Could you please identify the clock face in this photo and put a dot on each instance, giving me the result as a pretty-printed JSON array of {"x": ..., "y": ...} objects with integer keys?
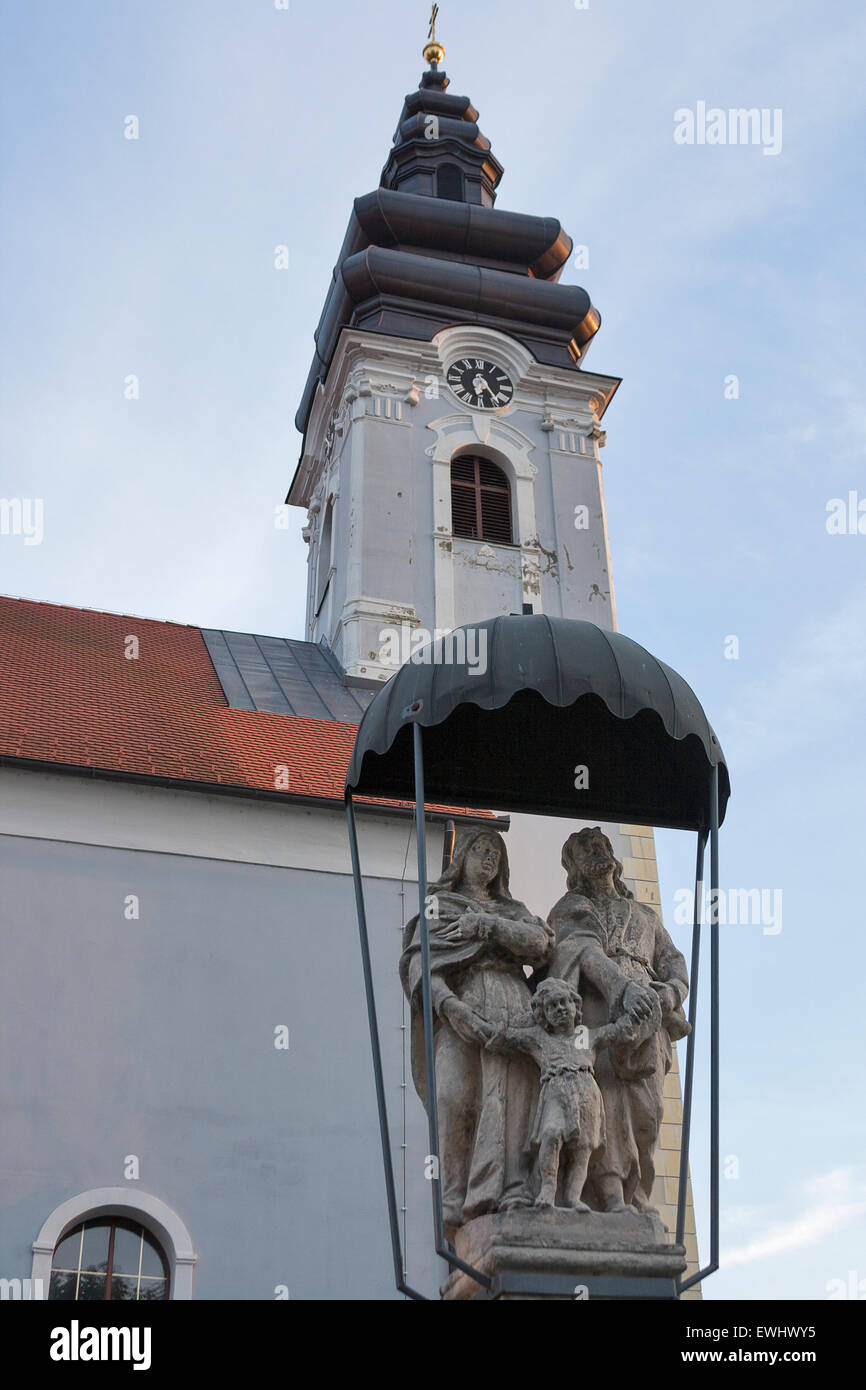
[{"x": 479, "y": 383}]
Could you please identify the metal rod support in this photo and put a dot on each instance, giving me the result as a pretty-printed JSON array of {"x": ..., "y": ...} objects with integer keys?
[
  {"x": 714, "y": 1022},
  {"x": 393, "y": 1219},
  {"x": 713, "y": 1264},
  {"x": 682, "y": 1186}
]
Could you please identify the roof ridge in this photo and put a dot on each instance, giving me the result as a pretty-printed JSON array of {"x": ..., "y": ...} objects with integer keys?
[{"x": 99, "y": 612}]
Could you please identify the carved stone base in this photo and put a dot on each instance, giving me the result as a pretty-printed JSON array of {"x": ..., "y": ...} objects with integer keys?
[{"x": 566, "y": 1255}]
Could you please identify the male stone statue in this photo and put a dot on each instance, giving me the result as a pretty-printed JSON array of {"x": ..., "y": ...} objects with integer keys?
[{"x": 617, "y": 953}]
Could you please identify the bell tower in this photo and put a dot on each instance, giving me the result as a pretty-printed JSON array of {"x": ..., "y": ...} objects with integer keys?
[{"x": 450, "y": 465}]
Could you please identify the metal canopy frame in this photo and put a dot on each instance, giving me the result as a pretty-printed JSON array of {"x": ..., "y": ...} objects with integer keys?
[{"x": 442, "y": 1247}]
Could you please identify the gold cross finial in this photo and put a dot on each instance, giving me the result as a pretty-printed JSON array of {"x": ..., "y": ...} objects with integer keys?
[{"x": 433, "y": 51}]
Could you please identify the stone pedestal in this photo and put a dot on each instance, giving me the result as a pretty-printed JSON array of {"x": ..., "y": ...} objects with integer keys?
[{"x": 565, "y": 1255}]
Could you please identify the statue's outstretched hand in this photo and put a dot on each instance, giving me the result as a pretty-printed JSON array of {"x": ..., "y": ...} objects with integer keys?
[{"x": 625, "y": 1027}]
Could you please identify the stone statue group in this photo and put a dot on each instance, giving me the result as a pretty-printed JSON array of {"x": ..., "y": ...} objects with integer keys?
[{"x": 550, "y": 1084}]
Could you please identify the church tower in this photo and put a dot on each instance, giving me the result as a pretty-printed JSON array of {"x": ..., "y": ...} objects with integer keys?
[{"x": 451, "y": 464}]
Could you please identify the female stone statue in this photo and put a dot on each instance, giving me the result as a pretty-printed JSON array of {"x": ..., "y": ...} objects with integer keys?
[
  {"x": 618, "y": 954},
  {"x": 480, "y": 938}
]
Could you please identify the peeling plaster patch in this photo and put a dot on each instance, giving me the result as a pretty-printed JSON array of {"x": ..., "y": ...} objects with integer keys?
[
  {"x": 552, "y": 566},
  {"x": 396, "y": 618},
  {"x": 568, "y": 558},
  {"x": 595, "y": 592},
  {"x": 483, "y": 562}
]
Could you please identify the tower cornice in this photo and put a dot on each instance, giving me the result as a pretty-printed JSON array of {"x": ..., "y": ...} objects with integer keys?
[{"x": 362, "y": 366}]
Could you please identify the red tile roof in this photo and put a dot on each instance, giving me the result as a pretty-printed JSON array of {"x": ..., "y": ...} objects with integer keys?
[{"x": 69, "y": 694}]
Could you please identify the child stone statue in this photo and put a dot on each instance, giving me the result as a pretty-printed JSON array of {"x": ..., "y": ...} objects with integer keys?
[{"x": 569, "y": 1117}]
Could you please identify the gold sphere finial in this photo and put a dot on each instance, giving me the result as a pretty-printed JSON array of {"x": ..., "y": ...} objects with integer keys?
[{"x": 433, "y": 51}]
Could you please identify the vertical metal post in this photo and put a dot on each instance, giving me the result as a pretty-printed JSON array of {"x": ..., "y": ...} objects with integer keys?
[
  {"x": 714, "y": 1020},
  {"x": 391, "y": 1192},
  {"x": 688, "y": 1085},
  {"x": 713, "y": 1264}
]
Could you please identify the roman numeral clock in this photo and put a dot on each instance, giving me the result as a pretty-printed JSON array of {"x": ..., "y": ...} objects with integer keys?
[{"x": 480, "y": 384}]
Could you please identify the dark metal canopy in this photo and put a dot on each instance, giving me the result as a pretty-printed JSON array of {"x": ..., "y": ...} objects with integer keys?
[{"x": 514, "y": 707}]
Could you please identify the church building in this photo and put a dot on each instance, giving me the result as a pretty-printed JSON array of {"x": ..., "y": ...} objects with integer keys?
[{"x": 189, "y": 1111}]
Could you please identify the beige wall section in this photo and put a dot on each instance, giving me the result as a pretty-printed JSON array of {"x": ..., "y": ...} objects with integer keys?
[{"x": 641, "y": 874}]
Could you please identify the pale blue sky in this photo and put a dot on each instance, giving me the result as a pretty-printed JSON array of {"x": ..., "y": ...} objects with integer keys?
[{"x": 258, "y": 127}]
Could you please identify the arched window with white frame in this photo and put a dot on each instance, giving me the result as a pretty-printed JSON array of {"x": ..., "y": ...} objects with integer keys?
[{"x": 110, "y": 1244}]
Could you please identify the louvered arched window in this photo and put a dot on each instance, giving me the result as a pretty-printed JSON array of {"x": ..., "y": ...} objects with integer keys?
[{"x": 480, "y": 500}]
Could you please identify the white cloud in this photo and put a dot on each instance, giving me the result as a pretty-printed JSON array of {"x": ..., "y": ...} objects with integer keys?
[{"x": 838, "y": 1198}]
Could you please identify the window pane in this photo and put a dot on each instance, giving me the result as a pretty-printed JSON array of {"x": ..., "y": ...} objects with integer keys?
[
  {"x": 122, "y": 1289},
  {"x": 151, "y": 1258},
  {"x": 91, "y": 1286},
  {"x": 127, "y": 1245},
  {"x": 66, "y": 1254},
  {"x": 94, "y": 1255},
  {"x": 62, "y": 1286},
  {"x": 152, "y": 1289}
]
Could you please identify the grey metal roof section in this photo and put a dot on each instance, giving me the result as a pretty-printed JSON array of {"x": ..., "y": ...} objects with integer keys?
[{"x": 283, "y": 676}]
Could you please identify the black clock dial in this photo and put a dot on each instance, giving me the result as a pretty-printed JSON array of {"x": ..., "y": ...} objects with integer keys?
[{"x": 479, "y": 383}]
